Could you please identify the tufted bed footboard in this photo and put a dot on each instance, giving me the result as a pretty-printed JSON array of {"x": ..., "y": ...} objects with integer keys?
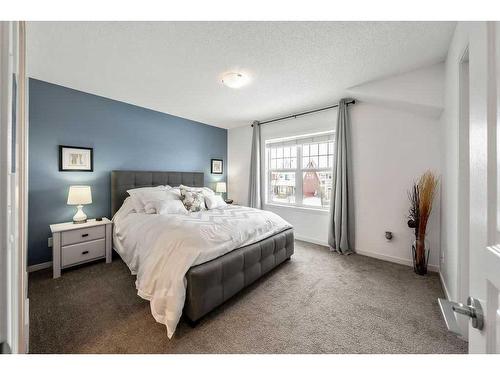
[{"x": 214, "y": 282}]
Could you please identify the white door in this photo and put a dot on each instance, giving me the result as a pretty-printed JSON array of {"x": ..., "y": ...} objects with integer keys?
[
  {"x": 483, "y": 306},
  {"x": 485, "y": 193}
]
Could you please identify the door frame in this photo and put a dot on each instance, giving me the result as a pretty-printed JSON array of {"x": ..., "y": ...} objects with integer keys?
[
  {"x": 5, "y": 113},
  {"x": 463, "y": 216},
  {"x": 22, "y": 171},
  {"x": 13, "y": 185}
]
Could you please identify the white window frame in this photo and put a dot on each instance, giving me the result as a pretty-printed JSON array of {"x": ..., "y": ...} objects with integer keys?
[{"x": 298, "y": 170}]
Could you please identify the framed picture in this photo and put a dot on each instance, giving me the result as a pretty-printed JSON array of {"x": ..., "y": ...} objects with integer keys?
[
  {"x": 76, "y": 159},
  {"x": 217, "y": 166}
]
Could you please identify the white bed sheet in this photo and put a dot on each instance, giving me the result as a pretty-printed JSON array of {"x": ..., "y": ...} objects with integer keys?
[{"x": 160, "y": 249}]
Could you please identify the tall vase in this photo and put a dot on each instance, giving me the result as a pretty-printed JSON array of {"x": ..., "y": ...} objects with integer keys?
[{"x": 420, "y": 254}]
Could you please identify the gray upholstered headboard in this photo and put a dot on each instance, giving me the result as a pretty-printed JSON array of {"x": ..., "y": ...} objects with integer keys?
[{"x": 121, "y": 181}]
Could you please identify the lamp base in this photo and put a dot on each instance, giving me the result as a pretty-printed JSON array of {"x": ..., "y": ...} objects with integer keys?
[{"x": 80, "y": 216}]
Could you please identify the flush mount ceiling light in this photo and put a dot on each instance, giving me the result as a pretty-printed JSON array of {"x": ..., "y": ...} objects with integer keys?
[{"x": 234, "y": 80}]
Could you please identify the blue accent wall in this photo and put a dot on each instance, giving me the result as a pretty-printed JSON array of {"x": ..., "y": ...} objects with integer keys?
[{"x": 123, "y": 136}]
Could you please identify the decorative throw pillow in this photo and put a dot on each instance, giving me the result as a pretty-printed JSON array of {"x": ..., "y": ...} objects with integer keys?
[
  {"x": 204, "y": 190},
  {"x": 192, "y": 200}
]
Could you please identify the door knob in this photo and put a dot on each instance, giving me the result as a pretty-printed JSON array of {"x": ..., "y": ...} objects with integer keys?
[{"x": 473, "y": 310}]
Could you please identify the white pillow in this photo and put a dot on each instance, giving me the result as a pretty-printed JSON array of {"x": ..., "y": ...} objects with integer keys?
[
  {"x": 158, "y": 187},
  {"x": 150, "y": 206},
  {"x": 152, "y": 200},
  {"x": 126, "y": 208},
  {"x": 174, "y": 193},
  {"x": 174, "y": 206},
  {"x": 136, "y": 204},
  {"x": 141, "y": 196},
  {"x": 214, "y": 201}
]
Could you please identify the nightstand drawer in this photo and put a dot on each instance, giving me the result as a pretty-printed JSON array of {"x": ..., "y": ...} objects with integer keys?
[
  {"x": 82, "y": 252},
  {"x": 85, "y": 234}
]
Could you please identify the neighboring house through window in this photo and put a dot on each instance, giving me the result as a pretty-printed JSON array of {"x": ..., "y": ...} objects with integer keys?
[{"x": 299, "y": 170}]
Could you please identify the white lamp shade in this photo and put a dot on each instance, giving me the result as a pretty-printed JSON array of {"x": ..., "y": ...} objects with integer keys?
[
  {"x": 220, "y": 187},
  {"x": 79, "y": 195}
]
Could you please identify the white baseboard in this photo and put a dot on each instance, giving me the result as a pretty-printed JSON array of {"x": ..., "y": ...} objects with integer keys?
[
  {"x": 39, "y": 266},
  {"x": 388, "y": 258},
  {"x": 393, "y": 259},
  {"x": 463, "y": 324},
  {"x": 311, "y": 240},
  {"x": 445, "y": 289},
  {"x": 27, "y": 325}
]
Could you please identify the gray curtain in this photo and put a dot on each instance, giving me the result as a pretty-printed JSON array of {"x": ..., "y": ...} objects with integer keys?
[
  {"x": 341, "y": 227},
  {"x": 254, "y": 198}
]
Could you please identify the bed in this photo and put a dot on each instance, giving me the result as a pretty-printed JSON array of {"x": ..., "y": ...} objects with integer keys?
[{"x": 216, "y": 273}]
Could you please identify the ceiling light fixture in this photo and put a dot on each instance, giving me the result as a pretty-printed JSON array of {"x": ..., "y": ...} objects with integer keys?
[{"x": 234, "y": 80}]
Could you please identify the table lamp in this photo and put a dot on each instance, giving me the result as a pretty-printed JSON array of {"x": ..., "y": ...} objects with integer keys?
[
  {"x": 79, "y": 195},
  {"x": 220, "y": 187}
]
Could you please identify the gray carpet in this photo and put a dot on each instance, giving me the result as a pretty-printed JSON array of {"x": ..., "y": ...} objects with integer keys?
[{"x": 319, "y": 302}]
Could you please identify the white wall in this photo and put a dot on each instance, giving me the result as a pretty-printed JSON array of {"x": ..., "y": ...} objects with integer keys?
[
  {"x": 390, "y": 149},
  {"x": 239, "y": 146},
  {"x": 419, "y": 91}
]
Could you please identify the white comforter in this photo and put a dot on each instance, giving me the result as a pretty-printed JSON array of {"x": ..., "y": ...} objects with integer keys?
[{"x": 160, "y": 249}]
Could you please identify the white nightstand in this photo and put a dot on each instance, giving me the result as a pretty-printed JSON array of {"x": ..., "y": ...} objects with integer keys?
[{"x": 74, "y": 244}]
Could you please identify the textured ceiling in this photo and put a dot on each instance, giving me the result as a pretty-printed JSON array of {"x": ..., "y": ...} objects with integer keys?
[{"x": 175, "y": 67}]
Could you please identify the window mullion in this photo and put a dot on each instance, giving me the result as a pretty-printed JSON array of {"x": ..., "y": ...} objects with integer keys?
[
  {"x": 268, "y": 176},
  {"x": 298, "y": 177}
]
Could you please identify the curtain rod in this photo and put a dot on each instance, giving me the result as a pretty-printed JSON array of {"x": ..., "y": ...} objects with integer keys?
[{"x": 305, "y": 113}]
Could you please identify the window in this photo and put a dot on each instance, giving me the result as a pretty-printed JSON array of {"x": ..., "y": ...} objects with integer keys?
[{"x": 299, "y": 170}]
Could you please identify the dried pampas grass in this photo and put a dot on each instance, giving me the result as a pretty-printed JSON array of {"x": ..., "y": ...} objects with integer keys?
[
  {"x": 426, "y": 191},
  {"x": 421, "y": 198}
]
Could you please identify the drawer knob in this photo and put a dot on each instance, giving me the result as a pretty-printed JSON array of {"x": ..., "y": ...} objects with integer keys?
[
  {"x": 85, "y": 235},
  {"x": 85, "y": 252}
]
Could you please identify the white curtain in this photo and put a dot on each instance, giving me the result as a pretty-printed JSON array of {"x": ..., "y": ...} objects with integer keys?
[
  {"x": 254, "y": 198},
  {"x": 341, "y": 227}
]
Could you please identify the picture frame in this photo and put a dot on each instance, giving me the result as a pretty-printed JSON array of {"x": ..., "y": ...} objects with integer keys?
[
  {"x": 217, "y": 166},
  {"x": 76, "y": 159}
]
